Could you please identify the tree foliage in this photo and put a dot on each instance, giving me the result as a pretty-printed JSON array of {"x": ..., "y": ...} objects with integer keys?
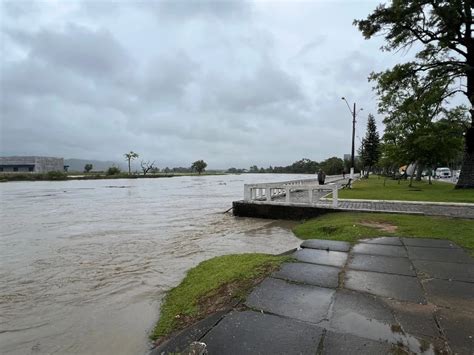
[
  {"x": 441, "y": 32},
  {"x": 199, "y": 166},
  {"x": 113, "y": 170},
  {"x": 129, "y": 157},
  {"x": 88, "y": 168},
  {"x": 332, "y": 166},
  {"x": 370, "y": 148},
  {"x": 419, "y": 128}
]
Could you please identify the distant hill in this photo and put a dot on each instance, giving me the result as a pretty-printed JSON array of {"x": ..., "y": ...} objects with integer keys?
[{"x": 98, "y": 165}]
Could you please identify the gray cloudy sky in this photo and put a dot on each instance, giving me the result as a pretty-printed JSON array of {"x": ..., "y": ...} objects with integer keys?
[{"x": 235, "y": 83}]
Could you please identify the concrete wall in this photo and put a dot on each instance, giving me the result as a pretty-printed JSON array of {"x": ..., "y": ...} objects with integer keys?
[
  {"x": 45, "y": 164},
  {"x": 275, "y": 211},
  {"x": 41, "y": 164}
]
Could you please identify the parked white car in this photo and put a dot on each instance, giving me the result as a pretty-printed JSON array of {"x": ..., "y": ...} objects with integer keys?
[{"x": 442, "y": 173}]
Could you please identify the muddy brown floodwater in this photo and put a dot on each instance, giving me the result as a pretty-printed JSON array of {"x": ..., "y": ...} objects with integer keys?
[{"x": 84, "y": 265}]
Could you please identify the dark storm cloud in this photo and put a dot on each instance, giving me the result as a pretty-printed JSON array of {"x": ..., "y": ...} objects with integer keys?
[
  {"x": 167, "y": 76},
  {"x": 265, "y": 86},
  {"x": 93, "y": 53},
  {"x": 235, "y": 83}
]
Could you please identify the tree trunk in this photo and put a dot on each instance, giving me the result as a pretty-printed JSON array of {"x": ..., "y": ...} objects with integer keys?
[
  {"x": 129, "y": 170},
  {"x": 419, "y": 172},
  {"x": 466, "y": 178}
]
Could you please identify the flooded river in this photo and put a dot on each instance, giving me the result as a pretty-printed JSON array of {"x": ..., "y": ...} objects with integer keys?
[{"x": 84, "y": 265}]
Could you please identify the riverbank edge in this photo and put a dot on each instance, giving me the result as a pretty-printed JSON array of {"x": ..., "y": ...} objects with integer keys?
[
  {"x": 31, "y": 177},
  {"x": 179, "y": 339}
]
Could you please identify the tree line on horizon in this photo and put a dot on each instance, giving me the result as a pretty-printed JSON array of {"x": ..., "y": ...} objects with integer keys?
[{"x": 331, "y": 166}]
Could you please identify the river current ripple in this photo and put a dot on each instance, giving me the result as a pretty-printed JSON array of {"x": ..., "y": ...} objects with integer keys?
[{"x": 84, "y": 265}]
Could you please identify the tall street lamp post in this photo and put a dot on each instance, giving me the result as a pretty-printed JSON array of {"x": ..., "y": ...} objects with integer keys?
[{"x": 353, "y": 113}]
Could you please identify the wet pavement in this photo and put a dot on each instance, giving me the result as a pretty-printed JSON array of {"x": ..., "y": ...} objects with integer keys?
[{"x": 382, "y": 295}]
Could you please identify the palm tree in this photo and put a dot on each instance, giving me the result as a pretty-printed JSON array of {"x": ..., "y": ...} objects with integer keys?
[{"x": 130, "y": 156}]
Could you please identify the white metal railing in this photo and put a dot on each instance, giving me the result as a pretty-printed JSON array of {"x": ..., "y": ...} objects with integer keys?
[{"x": 272, "y": 192}]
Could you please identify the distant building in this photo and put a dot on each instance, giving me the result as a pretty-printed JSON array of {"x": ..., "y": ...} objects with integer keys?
[
  {"x": 347, "y": 157},
  {"x": 31, "y": 164}
]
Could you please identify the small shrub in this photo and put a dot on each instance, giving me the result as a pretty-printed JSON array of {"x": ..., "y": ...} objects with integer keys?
[
  {"x": 56, "y": 175},
  {"x": 113, "y": 170}
]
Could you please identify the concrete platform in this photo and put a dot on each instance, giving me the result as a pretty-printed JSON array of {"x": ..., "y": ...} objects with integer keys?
[
  {"x": 376, "y": 249},
  {"x": 384, "y": 264},
  {"x": 343, "y": 344},
  {"x": 399, "y": 287},
  {"x": 316, "y": 275},
  {"x": 301, "y": 302},
  {"x": 383, "y": 240},
  {"x": 444, "y": 271},
  {"x": 331, "y": 258},
  {"x": 257, "y": 333},
  {"x": 328, "y": 245},
  {"x": 456, "y": 255}
]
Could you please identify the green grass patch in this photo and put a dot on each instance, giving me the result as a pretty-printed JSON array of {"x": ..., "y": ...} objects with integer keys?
[
  {"x": 49, "y": 176},
  {"x": 212, "y": 286},
  {"x": 351, "y": 227},
  {"x": 379, "y": 188}
]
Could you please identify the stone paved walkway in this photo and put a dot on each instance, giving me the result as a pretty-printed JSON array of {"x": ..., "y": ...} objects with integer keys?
[{"x": 380, "y": 296}]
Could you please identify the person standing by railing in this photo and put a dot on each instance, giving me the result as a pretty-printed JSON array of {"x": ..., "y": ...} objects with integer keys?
[{"x": 321, "y": 177}]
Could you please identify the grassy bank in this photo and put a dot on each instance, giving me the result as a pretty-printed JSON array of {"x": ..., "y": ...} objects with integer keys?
[
  {"x": 378, "y": 188},
  {"x": 50, "y": 176},
  {"x": 354, "y": 226},
  {"x": 212, "y": 286}
]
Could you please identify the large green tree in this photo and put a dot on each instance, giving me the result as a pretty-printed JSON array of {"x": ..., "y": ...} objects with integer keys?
[
  {"x": 370, "y": 148},
  {"x": 199, "y": 166},
  {"x": 419, "y": 128},
  {"x": 332, "y": 166},
  {"x": 442, "y": 32}
]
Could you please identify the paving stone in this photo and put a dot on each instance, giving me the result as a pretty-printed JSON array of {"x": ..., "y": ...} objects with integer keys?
[
  {"x": 369, "y": 317},
  {"x": 333, "y": 245},
  {"x": 446, "y": 271},
  {"x": 451, "y": 294},
  {"x": 459, "y": 329},
  {"x": 362, "y": 315},
  {"x": 312, "y": 274},
  {"x": 378, "y": 263},
  {"x": 416, "y": 319},
  {"x": 431, "y": 243},
  {"x": 366, "y": 308},
  {"x": 323, "y": 257},
  {"x": 383, "y": 240},
  {"x": 256, "y": 333},
  {"x": 439, "y": 254},
  {"x": 403, "y": 288},
  {"x": 343, "y": 344},
  {"x": 302, "y": 302},
  {"x": 180, "y": 343},
  {"x": 377, "y": 249}
]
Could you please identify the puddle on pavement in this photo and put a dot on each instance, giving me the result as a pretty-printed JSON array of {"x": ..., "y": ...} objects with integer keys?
[{"x": 356, "y": 324}]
